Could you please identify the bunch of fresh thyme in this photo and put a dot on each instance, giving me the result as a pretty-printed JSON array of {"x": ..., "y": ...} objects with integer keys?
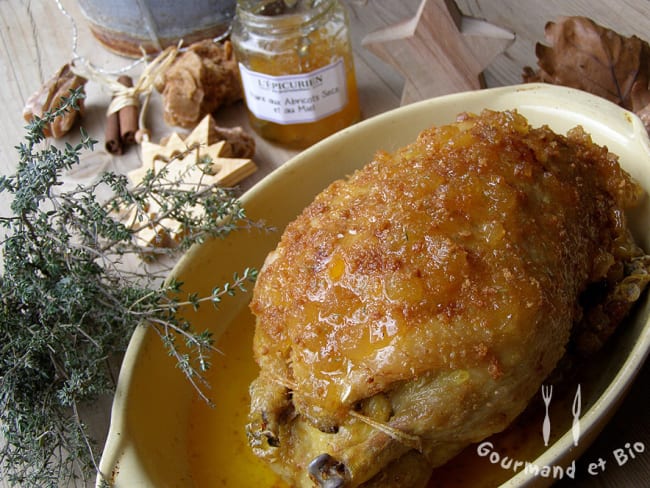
[{"x": 69, "y": 304}]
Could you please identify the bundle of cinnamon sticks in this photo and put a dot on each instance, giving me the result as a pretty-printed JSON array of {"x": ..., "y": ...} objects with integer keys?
[{"x": 121, "y": 126}]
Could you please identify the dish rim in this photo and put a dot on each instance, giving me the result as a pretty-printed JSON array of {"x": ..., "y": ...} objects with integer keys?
[{"x": 593, "y": 420}]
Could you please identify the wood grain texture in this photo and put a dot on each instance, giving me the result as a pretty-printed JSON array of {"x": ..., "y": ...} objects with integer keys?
[
  {"x": 36, "y": 39},
  {"x": 527, "y": 18},
  {"x": 438, "y": 51}
]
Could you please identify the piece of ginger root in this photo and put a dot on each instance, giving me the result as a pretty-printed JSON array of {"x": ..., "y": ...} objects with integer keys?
[{"x": 202, "y": 79}]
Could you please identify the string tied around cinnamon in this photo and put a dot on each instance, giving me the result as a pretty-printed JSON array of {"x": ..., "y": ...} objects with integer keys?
[{"x": 123, "y": 108}]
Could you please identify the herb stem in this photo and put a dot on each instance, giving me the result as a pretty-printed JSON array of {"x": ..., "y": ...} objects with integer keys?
[{"x": 73, "y": 288}]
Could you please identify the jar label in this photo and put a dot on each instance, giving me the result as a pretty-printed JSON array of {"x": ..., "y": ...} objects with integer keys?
[{"x": 295, "y": 99}]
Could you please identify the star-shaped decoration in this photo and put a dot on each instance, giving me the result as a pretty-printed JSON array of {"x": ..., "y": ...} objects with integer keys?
[
  {"x": 439, "y": 51},
  {"x": 192, "y": 163},
  {"x": 181, "y": 158}
]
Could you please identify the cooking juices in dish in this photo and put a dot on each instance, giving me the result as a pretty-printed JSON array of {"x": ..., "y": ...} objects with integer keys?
[
  {"x": 220, "y": 456},
  {"x": 218, "y": 449},
  {"x": 297, "y": 68}
]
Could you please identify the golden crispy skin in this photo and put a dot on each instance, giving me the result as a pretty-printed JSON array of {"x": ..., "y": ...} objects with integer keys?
[{"x": 417, "y": 306}]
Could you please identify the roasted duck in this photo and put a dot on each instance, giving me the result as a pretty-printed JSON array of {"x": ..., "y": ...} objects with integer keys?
[{"x": 417, "y": 306}]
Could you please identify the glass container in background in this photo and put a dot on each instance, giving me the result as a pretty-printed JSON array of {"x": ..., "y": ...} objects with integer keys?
[
  {"x": 297, "y": 68},
  {"x": 126, "y": 27}
]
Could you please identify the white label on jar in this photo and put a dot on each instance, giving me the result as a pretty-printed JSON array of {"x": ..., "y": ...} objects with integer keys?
[{"x": 295, "y": 99}]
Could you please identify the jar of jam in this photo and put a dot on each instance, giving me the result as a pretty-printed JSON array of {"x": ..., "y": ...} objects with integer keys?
[{"x": 297, "y": 69}]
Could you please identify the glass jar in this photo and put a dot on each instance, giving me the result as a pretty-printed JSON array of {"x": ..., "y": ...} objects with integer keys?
[{"x": 297, "y": 68}]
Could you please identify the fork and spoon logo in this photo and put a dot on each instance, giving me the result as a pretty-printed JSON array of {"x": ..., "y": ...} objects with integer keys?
[{"x": 547, "y": 394}]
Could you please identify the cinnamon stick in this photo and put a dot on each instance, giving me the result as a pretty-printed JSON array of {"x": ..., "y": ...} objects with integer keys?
[
  {"x": 113, "y": 142},
  {"x": 128, "y": 116}
]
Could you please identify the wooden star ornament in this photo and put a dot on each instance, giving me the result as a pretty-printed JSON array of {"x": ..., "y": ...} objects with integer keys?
[
  {"x": 180, "y": 157},
  {"x": 439, "y": 51},
  {"x": 191, "y": 163}
]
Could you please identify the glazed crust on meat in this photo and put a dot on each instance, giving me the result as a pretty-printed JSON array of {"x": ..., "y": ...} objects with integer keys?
[{"x": 416, "y": 306}]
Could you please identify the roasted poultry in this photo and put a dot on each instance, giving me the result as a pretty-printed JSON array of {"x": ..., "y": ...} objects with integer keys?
[{"x": 417, "y": 306}]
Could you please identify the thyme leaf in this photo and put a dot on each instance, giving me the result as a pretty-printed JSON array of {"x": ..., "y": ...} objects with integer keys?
[{"x": 68, "y": 304}]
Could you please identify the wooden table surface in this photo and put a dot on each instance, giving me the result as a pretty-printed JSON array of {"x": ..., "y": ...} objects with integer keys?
[{"x": 37, "y": 38}]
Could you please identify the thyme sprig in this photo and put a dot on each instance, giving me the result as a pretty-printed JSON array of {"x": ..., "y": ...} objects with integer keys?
[{"x": 70, "y": 297}]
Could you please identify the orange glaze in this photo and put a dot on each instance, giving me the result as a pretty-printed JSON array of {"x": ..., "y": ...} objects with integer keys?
[{"x": 383, "y": 277}]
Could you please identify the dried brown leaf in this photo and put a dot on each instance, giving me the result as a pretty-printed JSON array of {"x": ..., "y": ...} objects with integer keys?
[{"x": 593, "y": 58}]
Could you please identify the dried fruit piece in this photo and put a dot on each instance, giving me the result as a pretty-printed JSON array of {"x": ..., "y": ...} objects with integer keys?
[
  {"x": 241, "y": 142},
  {"x": 49, "y": 97}
]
